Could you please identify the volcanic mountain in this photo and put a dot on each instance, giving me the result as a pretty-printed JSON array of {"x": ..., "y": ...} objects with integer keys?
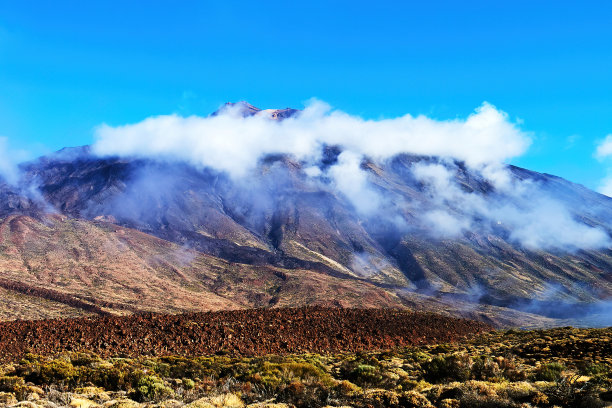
[{"x": 83, "y": 233}]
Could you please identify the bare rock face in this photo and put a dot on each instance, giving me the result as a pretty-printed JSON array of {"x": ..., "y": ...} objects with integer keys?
[{"x": 86, "y": 234}]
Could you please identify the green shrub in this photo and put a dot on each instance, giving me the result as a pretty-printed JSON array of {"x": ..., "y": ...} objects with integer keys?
[
  {"x": 455, "y": 367},
  {"x": 594, "y": 369},
  {"x": 485, "y": 368},
  {"x": 151, "y": 388},
  {"x": 365, "y": 374},
  {"x": 116, "y": 377},
  {"x": 56, "y": 371},
  {"x": 188, "y": 383},
  {"x": 302, "y": 371},
  {"x": 12, "y": 384},
  {"x": 549, "y": 372}
]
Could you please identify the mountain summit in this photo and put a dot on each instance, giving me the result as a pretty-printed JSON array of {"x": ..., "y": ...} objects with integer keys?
[{"x": 245, "y": 109}]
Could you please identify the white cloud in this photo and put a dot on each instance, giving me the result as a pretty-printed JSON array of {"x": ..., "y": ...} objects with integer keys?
[
  {"x": 602, "y": 152},
  {"x": 605, "y": 187},
  {"x": 8, "y": 162},
  {"x": 231, "y": 143},
  {"x": 604, "y": 149},
  {"x": 352, "y": 181}
]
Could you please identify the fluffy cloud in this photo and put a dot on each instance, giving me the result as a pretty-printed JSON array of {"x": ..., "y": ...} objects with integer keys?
[
  {"x": 234, "y": 144},
  {"x": 604, "y": 149}
]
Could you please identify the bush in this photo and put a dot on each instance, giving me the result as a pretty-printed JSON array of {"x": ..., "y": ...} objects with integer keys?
[
  {"x": 594, "y": 369},
  {"x": 485, "y": 368},
  {"x": 57, "y": 371},
  {"x": 83, "y": 359},
  {"x": 346, "y": 388},
  {"x": 13, "y": 384},
  {"x": 365, "y": 374},
  {"x": 188, "y": 383},
  {"x": 151, "y": 388},
  {"x": 441, "y": 369},
  {"x": 549, "y": 372},
  {"x": 113, "y": 377}
]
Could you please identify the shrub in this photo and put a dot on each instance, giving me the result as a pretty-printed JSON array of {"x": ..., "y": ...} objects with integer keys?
[
  {"x": 13, "y": 384},
  {"x": 455, "y": 367},
  {"x": 151, "y": 388},
  {"x": 594, "y": 369},
  {"x": 83, "y": 359},
  {"x": 113, "y": 377},
  {"x": 347, "y": 388},
  {"x": 365, "y": 374},
  {"x": 549, "y": 372},
  {"x": 188, "y": 383},
  {"x": 57, "y": 371},
  {"x": 305, "y": 395},
  {"x": 484, "y": 368},
  {"x": 302, "y": 371}
]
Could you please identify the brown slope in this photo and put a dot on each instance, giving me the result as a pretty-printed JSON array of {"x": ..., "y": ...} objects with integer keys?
[{"x": 100, "y": 268}]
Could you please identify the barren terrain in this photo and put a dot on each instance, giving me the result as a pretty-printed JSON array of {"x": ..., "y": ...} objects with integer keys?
[{"x": 240, "y": 332}]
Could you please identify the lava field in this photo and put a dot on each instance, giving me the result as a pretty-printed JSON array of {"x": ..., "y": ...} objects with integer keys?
[{"x": 239, "y": 332}]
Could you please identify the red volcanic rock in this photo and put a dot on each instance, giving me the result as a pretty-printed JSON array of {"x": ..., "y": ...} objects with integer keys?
[{"x": 238, "y": 332}]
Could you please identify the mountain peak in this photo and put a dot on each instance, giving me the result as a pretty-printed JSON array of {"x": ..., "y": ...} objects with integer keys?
[{"x": 245, "y": 109}]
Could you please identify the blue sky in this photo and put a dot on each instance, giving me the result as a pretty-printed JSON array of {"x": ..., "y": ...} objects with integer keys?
[{"x": 66, "y": 67}]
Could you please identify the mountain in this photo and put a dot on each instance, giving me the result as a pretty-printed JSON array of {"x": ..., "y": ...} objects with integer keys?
[{"x": 88, "y": 234}]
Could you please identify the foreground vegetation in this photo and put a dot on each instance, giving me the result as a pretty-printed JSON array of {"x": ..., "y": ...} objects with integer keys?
[{"x": 544, "y": 368}]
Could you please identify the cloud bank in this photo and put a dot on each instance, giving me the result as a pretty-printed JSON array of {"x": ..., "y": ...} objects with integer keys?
[
  {"x": 483, "y": 142},
  {"x": 234, "y": 144}
]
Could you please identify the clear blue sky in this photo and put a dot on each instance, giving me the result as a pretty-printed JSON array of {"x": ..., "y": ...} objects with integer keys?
[{"x": 67, "y": 66}]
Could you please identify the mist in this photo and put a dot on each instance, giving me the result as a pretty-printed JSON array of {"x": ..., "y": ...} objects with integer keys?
[{"x": 9, "y": 160}]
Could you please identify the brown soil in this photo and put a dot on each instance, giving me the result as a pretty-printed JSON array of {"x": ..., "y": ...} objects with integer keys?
[{"x": 239, "y": 332}]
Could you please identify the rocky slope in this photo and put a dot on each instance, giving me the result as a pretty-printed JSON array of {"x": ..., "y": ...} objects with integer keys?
[{"x": 241, "y": 332}]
